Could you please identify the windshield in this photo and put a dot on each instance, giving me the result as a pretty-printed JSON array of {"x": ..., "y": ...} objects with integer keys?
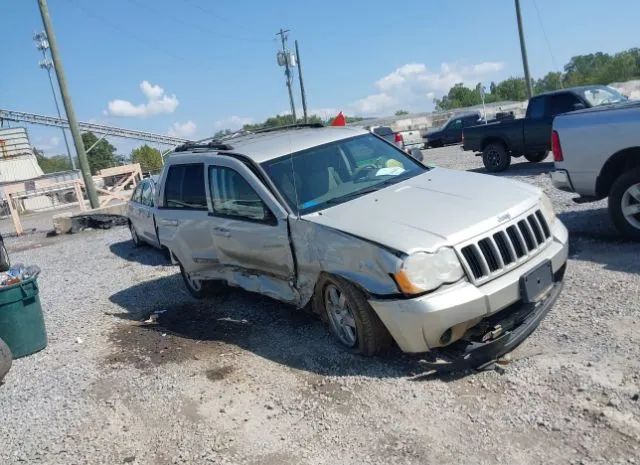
[
  {"x": 597, "y": 96},
  {"x": 333, "y": 173}
]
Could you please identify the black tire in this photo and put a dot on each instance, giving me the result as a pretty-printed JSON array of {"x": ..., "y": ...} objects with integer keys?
[
  {"x": 496, "y": 158},
  {"x": 201, "y": 289},
  {"x": 6, "y": 359},
  {"x": 619, "y": 197},
  {"x": 5, "y": 263},
  {"x": 536, "y": 157},
  {"x": 134, "y": 235},
  {"x": 371, "y": 336}
]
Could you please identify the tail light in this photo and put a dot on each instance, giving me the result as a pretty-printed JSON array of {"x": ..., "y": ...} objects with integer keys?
[
  {"x": 556, "y": 147},
  {"x": 399, "y": 140}
]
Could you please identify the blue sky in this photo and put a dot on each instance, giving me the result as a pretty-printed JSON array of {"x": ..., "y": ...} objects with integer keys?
[{"x": 208, "y": 65}]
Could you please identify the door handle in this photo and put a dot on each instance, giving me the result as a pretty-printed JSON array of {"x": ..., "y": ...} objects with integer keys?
[{"x": 169, "y": 222}]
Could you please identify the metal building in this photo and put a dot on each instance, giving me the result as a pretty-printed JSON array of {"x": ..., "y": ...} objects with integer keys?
[{"x": 17, "y": 160}]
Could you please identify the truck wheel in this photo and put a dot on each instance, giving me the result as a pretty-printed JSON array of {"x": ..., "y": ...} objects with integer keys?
[
  {"x": 351, "y": 319},
  {"x": 536, "y": 157},
  {"x": 5, "y": 263},
  {"x": 200, "y": 288},
  {"x": 5, "y": 359},
  {"x": 496, "y": 158},
  {"x": 624, "y": 204}
]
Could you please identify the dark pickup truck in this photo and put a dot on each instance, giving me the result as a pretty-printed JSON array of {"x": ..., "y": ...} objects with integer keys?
[{"x": 530, "y": 136}]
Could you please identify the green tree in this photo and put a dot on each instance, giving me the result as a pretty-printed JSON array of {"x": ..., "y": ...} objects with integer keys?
[
  {"x": 401, "y": 112},
  {"x": 52, "y": 164},
  {"x": 150, "y": 159},
  {"x": 103, "y": 155},
  {"x": 551, "y": 81}
]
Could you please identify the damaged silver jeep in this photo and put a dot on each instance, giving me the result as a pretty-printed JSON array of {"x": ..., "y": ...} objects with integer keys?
[{"x": 382, "y": 247}]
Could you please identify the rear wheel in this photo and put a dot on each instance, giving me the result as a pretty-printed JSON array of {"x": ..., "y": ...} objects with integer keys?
[
  {"x": 496, "y": 158},
  {"x": 536, "y": 157},
  {"x": 351, "y": 319},
  {"x": 201, "y": 288},
  {"x": 624, "y": 204}
]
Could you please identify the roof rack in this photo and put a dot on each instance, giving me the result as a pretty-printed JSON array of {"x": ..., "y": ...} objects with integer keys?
[
  {"x": 289, "y": 126},
  {"x": 215, "y": 145}
]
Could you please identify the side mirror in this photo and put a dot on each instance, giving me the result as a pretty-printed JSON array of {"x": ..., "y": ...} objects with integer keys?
[
  {"x": 417, "y": 154},
  {"x": 579, "y": 106}
]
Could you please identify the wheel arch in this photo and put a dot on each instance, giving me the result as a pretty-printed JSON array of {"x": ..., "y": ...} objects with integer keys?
[
  {"x": 494, "y": 140},
  {"x": 617, "y": 164}
]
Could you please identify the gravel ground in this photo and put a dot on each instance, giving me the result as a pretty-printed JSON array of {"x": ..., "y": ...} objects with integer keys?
[{"x": 244, "y": 379}]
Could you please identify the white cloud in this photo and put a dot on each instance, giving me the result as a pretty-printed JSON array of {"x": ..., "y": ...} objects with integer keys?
[
  {"x": 232, "y": 122},
  {"x": 157, "y": 102},
  {"x": 413, "y": 87},
  {"x": 184, "y": 130}
]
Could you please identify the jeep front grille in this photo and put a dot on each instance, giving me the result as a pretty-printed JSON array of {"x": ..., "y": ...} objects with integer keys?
[{"x": 506, "y": 248}]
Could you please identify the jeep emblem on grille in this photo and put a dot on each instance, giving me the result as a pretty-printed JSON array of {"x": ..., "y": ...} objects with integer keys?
[{"x": 503, "y": 218}]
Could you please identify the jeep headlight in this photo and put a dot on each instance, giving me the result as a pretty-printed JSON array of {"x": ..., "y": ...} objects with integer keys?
[
  {"x": 423, "y": 272},
  {"x": 547, "y": 209}
]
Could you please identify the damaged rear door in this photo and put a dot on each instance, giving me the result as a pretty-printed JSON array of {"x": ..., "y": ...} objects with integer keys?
[{"x": 250, "y": 231}]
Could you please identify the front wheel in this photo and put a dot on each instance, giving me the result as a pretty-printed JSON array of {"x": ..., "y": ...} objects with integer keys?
[
  {"x": 201, "y": 288},
  {"x": 536, "y": 157},
  {"x": 5, "y": 263},
  {"x": 496, "y": 158},
  {"x": 624, "y": 204},
  {"x": 351, "y": 319},
  {"x": 134, "y": 235}
]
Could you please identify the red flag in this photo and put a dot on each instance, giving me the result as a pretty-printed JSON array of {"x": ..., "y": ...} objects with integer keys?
[{"x": 339, "y": 120}]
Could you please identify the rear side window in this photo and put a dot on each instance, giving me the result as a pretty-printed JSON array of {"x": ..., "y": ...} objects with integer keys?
[
  {"x": 563, "y": 103},
  {"x": 535, "y": 109},
  {"x": 184, "y": 187},
  {"x": 147, "y": 194},
  {"x": 456, "y": 124}
]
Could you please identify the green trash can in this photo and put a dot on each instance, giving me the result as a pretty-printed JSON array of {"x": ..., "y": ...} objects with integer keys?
[{"x": 21, "y": 320}]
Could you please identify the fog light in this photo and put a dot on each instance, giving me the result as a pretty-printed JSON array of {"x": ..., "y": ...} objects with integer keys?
[{"x": 446, "y": 337}]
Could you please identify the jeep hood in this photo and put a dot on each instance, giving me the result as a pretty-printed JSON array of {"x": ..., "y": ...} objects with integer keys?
[{"x": 439, "y": 207}]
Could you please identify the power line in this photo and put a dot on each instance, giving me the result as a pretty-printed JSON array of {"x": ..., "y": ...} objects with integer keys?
[
  {"x": 191, "y": 24},
  {"x": 544, "y": 33}
]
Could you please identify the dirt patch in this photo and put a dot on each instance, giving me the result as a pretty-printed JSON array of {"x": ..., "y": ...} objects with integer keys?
[
  {"x": 182, "y": 332},
  {"x": 218, "y": 374}
]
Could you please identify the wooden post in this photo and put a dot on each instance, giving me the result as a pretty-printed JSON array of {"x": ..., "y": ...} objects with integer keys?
[
  {"x": 78, "y": 190},
  {"x": 14, "y": 216}
]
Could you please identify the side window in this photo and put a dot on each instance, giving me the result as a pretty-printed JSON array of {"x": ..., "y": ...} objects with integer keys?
[
  {"x": 535, "y": 110},
  {"x": 184, "y": 187},
  {"x": 454, "y": 125},
  {"x": 147, "y": 198},
  {"x": 135, "y": 197},
  {"x": 563, "y": 103},
  {"x": 231, "y": 195}
]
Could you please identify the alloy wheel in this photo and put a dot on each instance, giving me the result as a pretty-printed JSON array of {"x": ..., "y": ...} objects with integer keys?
[
  {"x": 631, "y": 205},
  {"x": 340, "y": 315}
]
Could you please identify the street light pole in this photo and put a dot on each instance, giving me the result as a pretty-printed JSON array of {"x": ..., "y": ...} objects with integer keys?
[
  {"x": 68, "y": 107},
  {"x": 42, "y": 44},
  {"x": 523, "y": 49}
]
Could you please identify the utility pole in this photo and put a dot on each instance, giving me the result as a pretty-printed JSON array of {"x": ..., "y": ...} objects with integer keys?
[
  {"x": 523, "y": 49},
  {"x": 42, "y": 44},
  {"x": 287, "y": 71},
  {"x": 68, "y": 107},
  {"x": 304, "y": 96}
]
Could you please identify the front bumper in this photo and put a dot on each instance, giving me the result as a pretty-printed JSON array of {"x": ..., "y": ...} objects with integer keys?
[
  {"x": 561, "y": 180},
  {"x": 418, "y": 324}
]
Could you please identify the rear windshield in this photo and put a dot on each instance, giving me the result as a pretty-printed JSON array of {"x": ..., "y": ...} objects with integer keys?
[
  {"x": 333, "y": 173},
  {"x": 382, "y": 131}
]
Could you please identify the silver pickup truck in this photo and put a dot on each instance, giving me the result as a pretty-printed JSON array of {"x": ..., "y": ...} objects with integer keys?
[{"x": 597, "y": 155}]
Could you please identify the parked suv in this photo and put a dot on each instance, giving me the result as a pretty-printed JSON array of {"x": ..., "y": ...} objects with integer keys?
[
  {"x": 382, "y": 247},
  {"x": 451, "y": 131}
]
